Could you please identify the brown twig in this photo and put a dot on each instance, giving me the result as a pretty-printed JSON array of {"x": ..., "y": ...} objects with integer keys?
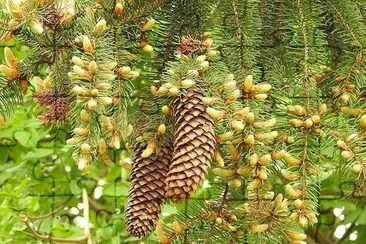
[{"x": 53, "y": 211}]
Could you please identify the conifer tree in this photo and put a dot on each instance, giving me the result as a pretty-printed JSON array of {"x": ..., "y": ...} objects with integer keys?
[{"x": 247, "y": 96}]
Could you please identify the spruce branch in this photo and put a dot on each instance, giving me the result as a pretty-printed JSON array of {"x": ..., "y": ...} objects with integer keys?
[
  {"x": 142, "y": 10},
  {"x": 345, "y": 22}
]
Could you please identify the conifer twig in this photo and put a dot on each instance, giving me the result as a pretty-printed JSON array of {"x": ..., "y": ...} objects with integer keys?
[{"x": 143, "y": 11}]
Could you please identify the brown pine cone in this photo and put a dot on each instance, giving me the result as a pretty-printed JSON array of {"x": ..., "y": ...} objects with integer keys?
[
  {"x": 147, "y": 190},
  {"x": 194, "y": 146},
  {"x": 45, "y": 98}
]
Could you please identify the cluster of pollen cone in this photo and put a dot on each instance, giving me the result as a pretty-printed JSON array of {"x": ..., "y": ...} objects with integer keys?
[{"x": 174, "y": 169}]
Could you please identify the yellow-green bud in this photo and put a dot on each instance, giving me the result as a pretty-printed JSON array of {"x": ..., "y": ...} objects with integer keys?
[
  {"x": 148, "y": 49},
  {"x": 223, "y": 172},
  {"x": 149, "y": 25},
  {"x": 248, "y": 83}
]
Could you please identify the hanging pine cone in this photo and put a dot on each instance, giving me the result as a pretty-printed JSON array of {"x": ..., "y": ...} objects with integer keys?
[
  {"x": 193, "y": 146},
  {"x": 147, "y": 190}
]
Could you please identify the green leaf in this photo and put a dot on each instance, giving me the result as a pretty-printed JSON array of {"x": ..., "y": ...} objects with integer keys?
[
  {"x": 4, "y": 152},
  {"x": 38, "y": 153},
  {"x": 23, "y": 137},
  {"x": 74, "y": 187},
  {"x": 45, "y": 226}
]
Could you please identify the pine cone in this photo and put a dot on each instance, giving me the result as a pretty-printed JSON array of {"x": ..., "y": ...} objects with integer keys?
[
  {"x": 194, "y": 146},
  {"x": 147, "y": 190},
  {"x": 189, "y": 45},
  {"x": 45, "y": 98},
  {"x": 53, "y": 18},
  {"x": 57, "y": 106}
]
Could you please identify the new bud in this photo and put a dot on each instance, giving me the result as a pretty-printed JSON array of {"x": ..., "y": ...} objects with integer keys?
[
  {"x": 82, "y": 163},
  {"x": 215, "y": 114},
  {"x": 289, "y": 175},
  {"x": 115, "y": 142},
  {"x": 93, "y": 67},
  {"x": 87, "y": 45},
  {"x": 211, "y": 54},
  {"x": 322, "y": 108},
  {"x": 149, "y": 25},
  {"x": 106, "y": 100},
  {"x": 81, "y": 131},
  {"x": 223, "y": 172},
  {"x": 262, "y": 88},
  {"x": 201, "y": 58},
  {"x": 92, "y": 104},
  {"x": 78, "y": 90},
  {"x": 208, "y": 100},
  {"x": 101, "y": 26},
  {"x": 237, "y": 125},
  {"x": 344, "y": 98},
  {"x": 260, "y": 97},
  {"x": 265, "y": 159},
  {"x": 315, "y": 119},
  {"x": 253, "y": 159},
  {"x": 258, "y": 228},
  {"x": 299, "y": 203},
  {"x": 177, "y": 227},
  {"x": 352, "y": 137},
  {"x": 36, "y": 26},
  {"x": 149, "y": 150},
  {"x": 77, "y": 61},
  {"x": 249, "y": 140},
  {"x": 187, "y": 83},
  {"x": 173, "y": 91},
  {"x": 235, "y": 183},
  {"x": 166, "y": 110},
  {"x": 148, "y": 49},
  {"x": 230, "y": 85},
  {"x": 303, "y": 221},
  {"x": 9, "y": 72},
  {"x": 346, "y": 154},
  {"x": 13, "y": 24},
  {"x": 207, "y": 43},
  {"x": 225, "y": 136},
  {"x": 295, "y": 235},
  {"x": 84, "y": 116},
  {"x": 10, "y": 59},
  {"x": 357, "y": 168},
  {"x": 249, "y": 118},
  {"x": 85, "y": 148},
  {"x": 205, "y": 65},
  {"x": 119, "y": 9},
  {"x": 308, "y": 123},
  {"x": 248, "y": 83},
  {"x": 363, "y": 121},
  {"x": 241, "y": 114},
  {"x": 193, "y": 72},
  {"x": 161, "y": 129},
  {"x": 341, "y": 144}
]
